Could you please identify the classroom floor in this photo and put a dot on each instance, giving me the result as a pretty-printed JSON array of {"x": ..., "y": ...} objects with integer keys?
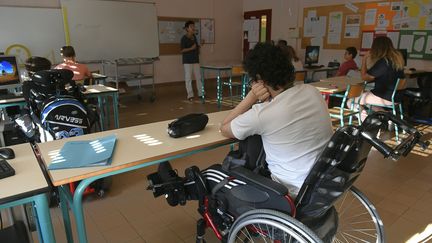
[{"x": 402, "y": 191}]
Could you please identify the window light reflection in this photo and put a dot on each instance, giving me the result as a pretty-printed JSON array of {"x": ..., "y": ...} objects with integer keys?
[
  {"x": 193, "y": 136},
  {"x": 147, "y": 140}
]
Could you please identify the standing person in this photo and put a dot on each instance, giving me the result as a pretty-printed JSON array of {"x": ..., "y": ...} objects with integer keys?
[
  {"x": 81, "y": 71},
  {"x": 386, "y": 66},
  {"x": 349, "y": 64},
  {"x": 293, "y": 121},
  {"x": 298, "y": 65},
  {"x": 190, "y": 55}
]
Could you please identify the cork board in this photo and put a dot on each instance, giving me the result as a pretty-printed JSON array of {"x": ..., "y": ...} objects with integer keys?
[{"x": 325, "y": 11}]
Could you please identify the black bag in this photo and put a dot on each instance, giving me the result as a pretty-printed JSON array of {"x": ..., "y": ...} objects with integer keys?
[{"x": 188, "y": 124}]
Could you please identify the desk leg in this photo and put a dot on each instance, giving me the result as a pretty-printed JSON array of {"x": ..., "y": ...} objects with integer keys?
[
  {"x": 44, "y": 218},
  {"x": 102, "y": 113},
  {"x": 202, "y": 85},
  {"x": 65, "y": 200},
  {"x": 108, "y": 113},
  {"x": 115, "y": 110},
  {"x": 218, "y": 90},
  {"x": 244, "y": 84}
]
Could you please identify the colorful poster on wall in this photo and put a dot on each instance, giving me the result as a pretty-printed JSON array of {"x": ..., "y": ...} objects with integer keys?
[
  {"x": 378, "y": 16},
  {"x": 413, "y": 15}
]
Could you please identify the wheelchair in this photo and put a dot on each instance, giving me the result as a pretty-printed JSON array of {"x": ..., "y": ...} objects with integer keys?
[{"x": 241, "y": 203}]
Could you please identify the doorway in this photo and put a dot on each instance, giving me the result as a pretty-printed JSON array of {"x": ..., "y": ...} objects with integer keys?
[{"x": 256, "y": 28}]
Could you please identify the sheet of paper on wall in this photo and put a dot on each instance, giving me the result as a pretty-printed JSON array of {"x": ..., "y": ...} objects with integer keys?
[
  {"x": 419, "y": 43},
  {"x": 406, "y": 42},
  {"x": 315, "y": 27},
  {"x": 370, "y": 16},
  {"x": 352, "y": 31},
  {"x": 311, "y": 14},
  {"x": 335, "y": 22},
  {"x": 394, "y": 37},
  {"x": 352, "y": 7},
  {"x": 353, "y": 20},
  {"x": 317, "y": 41},
  {"x": 367, "y": 39},
  {"x": 334, "y": 38},
  {"x": 428, "y": 48}
]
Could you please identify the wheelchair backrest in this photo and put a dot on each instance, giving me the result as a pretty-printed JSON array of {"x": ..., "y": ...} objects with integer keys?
[{"x": 335, "y": 170}]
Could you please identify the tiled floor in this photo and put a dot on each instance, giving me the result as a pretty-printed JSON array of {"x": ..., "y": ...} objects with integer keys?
[{"x": 402, "y": 190}]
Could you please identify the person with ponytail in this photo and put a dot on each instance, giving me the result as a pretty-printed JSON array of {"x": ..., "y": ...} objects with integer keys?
[{"x": 383, "y": 65}]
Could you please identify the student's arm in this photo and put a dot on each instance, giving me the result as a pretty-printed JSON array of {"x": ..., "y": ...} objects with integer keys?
[
  {"x": 258, "y": 92},
  {"x": 183, "y": 47},
  {"x": 364, "y": 75}
]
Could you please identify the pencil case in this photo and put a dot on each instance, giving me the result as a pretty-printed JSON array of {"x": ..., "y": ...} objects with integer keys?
[{"x": 187, "y": 124}]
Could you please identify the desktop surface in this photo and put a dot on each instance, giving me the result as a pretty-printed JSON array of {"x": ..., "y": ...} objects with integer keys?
[{"x": 26, "y": 169}]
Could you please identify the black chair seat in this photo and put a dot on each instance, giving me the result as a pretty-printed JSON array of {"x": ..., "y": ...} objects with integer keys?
[{"x": 414, "y": 93}]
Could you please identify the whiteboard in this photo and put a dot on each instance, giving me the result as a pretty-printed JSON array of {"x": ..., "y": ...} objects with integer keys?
[
  {"x": 110, "y": 30},
  {"x": 40, "y": 30}
]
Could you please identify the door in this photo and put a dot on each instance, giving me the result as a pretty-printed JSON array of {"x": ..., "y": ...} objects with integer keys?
[{"x": 256, "y": 28}]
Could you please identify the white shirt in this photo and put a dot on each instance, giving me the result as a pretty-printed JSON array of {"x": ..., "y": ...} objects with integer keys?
[{"x": 295, "y": 127}]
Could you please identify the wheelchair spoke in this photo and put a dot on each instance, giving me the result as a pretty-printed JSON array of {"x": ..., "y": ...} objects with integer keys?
[{"x": 356, "y": 238}]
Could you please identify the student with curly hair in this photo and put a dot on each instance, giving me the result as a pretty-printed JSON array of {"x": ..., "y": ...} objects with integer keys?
[{"x": 293, "y": 121}]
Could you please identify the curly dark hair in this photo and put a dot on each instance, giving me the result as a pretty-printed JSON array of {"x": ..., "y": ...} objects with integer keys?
[{"x": 271, "y": 64}]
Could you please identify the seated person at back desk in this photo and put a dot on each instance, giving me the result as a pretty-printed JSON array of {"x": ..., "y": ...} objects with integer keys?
[
  {"x": 81, "y": 71},
  {"x": 349, "y": 64},
  {"x": 292, "y": 140}
]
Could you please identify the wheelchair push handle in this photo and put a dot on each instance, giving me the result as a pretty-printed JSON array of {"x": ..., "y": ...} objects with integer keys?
[{"x": 406, "y": 145}]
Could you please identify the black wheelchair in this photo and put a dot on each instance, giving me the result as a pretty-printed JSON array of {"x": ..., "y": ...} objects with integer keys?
[{"x": 241, "y": 203}]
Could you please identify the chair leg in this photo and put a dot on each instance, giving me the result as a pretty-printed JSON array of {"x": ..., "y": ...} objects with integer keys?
[{"x": 396, "y": 127}]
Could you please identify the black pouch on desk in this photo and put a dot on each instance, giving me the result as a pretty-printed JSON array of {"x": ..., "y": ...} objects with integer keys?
[{"x": 188, "y": 124}]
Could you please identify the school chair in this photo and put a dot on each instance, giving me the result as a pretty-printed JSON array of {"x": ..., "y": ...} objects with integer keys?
[
  {"x": 236, "y": 71},
  {"x": 400, "y": 85},
  {"x": 342, "y": 112},
  {"x": 299, "y": 77}
]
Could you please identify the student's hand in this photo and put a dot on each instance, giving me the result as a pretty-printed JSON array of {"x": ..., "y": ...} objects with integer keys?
[
  {"x": 260, "y": 91},
  {"x": 193, "y": 47}
]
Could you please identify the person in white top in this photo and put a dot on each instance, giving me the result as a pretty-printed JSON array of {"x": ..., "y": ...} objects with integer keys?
[{"x": 293, "y": 121}]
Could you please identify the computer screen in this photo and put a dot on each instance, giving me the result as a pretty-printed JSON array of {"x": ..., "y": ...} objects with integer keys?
[
  {"x": 404, "y": 53},
  {"x": 312, "y": 54},
  {"x": 9, "y": 70}
]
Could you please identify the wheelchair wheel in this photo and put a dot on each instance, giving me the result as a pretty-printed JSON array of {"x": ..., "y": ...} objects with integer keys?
[
  {"x": 358, "y": 219},
  {"x": 264, "y": 225}
]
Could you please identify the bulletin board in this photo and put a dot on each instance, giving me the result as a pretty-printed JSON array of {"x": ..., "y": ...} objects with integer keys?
[
  {"x": 407, "y": 23},
  {"x": 327, "y": 11},
  {"x": 170, "y": 33}
]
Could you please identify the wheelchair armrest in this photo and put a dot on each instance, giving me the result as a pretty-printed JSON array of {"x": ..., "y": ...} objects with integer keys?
[{"x": 267, "y": 183}]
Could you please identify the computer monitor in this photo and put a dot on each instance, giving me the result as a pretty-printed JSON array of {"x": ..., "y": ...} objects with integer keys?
[
  {"x": 312, "y": 55},
  {"x": 9, "y": 74},
  {"x": 404, "y": 53}
]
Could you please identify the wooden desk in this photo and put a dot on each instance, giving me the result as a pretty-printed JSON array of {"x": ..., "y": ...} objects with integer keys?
[
  {"x": 28, "y": 185},
  {"x": 102, "y": 92},
  {"x": 417, "y": 73},
  {"x": 343, "y": 79},
  {"x": 315, "y": 70},
  {"x": 130, "y": 154},
  {"x": 329, "y": 88}
]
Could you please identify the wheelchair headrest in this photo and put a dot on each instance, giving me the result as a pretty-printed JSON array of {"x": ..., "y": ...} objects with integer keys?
[{"x": 53, "y": 76}]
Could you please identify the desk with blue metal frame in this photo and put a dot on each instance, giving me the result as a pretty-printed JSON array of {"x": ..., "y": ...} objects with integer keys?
[
  {"x": 102, "y": 92},
  {"x": 28, "y": 185},
  {"x": 136, "y": 147},
  {"x": 219, "y": 68}
]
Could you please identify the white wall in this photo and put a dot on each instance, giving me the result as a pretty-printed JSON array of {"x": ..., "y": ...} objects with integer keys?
[
  {"x": 228, "y": 17},
  {"x": 289, "y": 13}
]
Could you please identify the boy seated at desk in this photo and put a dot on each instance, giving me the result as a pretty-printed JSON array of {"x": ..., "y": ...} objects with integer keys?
[
  {"x": 81, "y": 71},
  {"x": 349, "y": 64}
]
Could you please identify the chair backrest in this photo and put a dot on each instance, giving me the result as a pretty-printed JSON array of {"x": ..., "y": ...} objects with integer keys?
[
  {"x": 355, "y": 91},
  {"x": 335, "y": 170},
  {"x": 400, "y": 85},
  {"x": 237, "y": 70},
  {"x": 300, "y": 76}
]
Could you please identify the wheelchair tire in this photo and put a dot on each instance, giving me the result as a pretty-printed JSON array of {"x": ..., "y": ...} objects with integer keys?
[
  {"x": 362, "y": 223},
  {"x": 260, "y": 225}
]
